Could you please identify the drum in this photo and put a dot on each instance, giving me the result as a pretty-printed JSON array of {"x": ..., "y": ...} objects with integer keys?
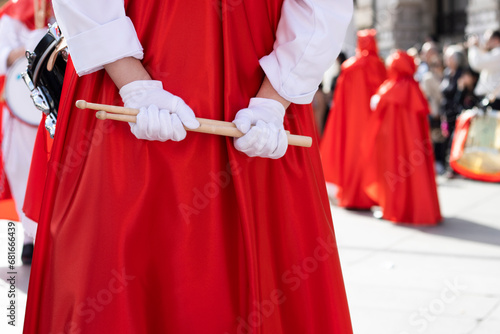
[
  {"x": 45, "y": 74},
  {"x": 17, "y": 95},
  {"x": 480, "y": 155}
]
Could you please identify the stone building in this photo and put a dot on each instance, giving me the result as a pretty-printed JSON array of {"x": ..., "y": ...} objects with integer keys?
[{"x": 406, "y": 23}]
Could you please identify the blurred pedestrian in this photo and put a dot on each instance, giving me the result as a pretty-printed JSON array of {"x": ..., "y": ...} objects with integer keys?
[
  {"x": 454, "y": 59},
  {"x": 429, "y": 51},
  {"x": 430, "y": 85},
  {"x": 466, "y": 97},
  {"x": 348, "y": 120},
  {"x": 398, "y": 150},
  {"x": 486, "y": 61}
]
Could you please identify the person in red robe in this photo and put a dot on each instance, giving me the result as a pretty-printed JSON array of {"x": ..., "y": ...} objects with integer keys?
[
  {"x": 398, "y": 150},
  {"x": 340, "y": 145},
  {"x": 194, "y": 234}
]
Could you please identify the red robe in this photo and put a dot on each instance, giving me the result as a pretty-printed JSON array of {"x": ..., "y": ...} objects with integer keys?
[
  {"x": 398, "y": 149},
  {"x": 457, "y": 150},
  {"x": 359, "y": 80},
  {"x": 191, "y": 237}
]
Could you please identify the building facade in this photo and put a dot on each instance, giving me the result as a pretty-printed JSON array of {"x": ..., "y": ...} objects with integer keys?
[{"x": 408, "y": 23}]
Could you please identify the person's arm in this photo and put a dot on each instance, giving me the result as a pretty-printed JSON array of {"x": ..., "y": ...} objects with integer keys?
[
  {"x": 481, "y": 60},
  {"x": 126, "y": 70},
  {"x": 98, "y": 33},
  {"x": 309, "y": 38}
]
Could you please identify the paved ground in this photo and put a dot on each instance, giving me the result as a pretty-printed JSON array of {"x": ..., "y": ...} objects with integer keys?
[
  {"x": 432, "y": 280},
  {"x": 400, "y": 280}
]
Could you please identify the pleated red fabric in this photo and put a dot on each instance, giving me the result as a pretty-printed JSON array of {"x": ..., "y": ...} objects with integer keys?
[
  {"x": 190, "y": 237},
  {"x": 38, "y": 173},
  {"x": 359, "y": 80},
  {"x": 398, "y": 149}
]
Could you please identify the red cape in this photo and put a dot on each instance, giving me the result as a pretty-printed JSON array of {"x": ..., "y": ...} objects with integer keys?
[
  {"x": 348, "y": 120},
  {"x": 400, "y": 164},
  {"x": 189, "y": 237},
  {"x": 457, "y": 150}
]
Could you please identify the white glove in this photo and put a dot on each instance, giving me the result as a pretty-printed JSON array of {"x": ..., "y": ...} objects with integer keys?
[
  {"x": 267, "y": 138},
  {"x": 162, "y": 115}
]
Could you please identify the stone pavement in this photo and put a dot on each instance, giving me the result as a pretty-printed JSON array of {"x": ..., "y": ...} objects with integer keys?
[
  {"x": 399, "y": 279},
  {"x": 431, "y": 280}
]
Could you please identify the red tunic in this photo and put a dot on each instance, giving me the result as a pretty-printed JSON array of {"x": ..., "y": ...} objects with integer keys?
[
  {"x": 400, "y": 164},
  {"x": 190, "y": 237},
  {"x": 359, "y": 80}
]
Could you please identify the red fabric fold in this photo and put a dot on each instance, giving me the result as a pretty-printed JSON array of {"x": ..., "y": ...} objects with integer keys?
[
  {"x": 359, "y": 80},
  {"x": 206, "y": 240},
  {"x": 38, "y": 173},
  {"x": 398, "y": 150}
]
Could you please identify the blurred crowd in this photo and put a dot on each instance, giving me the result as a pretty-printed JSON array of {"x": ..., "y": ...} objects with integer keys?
[{"x": 453, "y": 77}]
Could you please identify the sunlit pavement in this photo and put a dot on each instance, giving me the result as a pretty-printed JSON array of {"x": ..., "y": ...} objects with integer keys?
[
  {"x": 432, "y": 280},
  {"x": 399, "y": 279}
]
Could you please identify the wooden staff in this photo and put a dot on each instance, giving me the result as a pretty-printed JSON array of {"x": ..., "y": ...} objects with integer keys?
[{"x": 209, "y": 126}]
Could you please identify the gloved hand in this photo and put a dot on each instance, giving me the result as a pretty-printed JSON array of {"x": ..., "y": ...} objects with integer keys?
[
  {"x": 267, "y": 138},
  {"x": 162, "y": 115}
]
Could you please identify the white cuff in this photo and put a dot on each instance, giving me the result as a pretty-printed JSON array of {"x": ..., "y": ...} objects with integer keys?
[
  {"x": 91, "y": 50},
  {"x": 271, "y": 67}
]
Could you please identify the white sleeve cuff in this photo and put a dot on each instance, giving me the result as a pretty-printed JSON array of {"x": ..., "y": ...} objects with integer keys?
[
  {"x": 271, "y": 67},
  {"x": 93, "y": 49},
  {"x": 309, "y": 36}
]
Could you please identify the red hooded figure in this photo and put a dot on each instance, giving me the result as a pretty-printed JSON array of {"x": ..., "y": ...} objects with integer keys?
[
  {"x": 400, "y": 165},
  {"x": 360, "y": 78}
]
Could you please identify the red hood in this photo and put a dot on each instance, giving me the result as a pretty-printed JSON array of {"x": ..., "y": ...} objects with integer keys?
[{"x": 400, "y": 64}]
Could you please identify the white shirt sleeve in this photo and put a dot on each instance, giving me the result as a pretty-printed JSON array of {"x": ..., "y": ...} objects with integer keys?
[
  {"x": 97, "y": 32},
  {"x": 309, "y": 38},
  {"x": 12, "y": 35},
  {"x": 481, "y": 60}
]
